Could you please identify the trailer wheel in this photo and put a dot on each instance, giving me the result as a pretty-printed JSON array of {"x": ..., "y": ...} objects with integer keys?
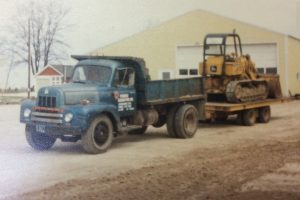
[
  {"x": 239, "y": 118},
  {"x": 39, "y": 141},
  {"x": 249, "y": 117},
  {"x": 99, "y": 136},
  {"x": 170, "y": 121},
  {"x": 139, "y": 131},
  {"x": 186, "y": 121},
  {"x": 264, "y": 114},
  {"x": 221, "y": 117}
]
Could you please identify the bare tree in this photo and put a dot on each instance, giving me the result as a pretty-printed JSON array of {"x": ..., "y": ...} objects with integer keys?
[{"x": 46, "y": 24}]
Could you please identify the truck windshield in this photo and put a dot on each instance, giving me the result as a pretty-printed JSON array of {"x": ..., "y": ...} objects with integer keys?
[{"x": 92, "y": 73}]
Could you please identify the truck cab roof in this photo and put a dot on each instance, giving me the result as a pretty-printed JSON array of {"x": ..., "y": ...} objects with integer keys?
[{"x": 116, "y": 61}]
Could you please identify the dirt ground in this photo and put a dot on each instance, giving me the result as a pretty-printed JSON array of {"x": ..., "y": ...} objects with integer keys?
[{"x": 223, "y": 161}]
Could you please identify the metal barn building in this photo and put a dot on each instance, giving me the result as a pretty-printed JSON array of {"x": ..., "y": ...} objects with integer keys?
[{"x": 174, "y": 48}]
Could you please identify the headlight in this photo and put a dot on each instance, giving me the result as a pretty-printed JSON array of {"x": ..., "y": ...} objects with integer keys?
[
  {"x": 27, "y": 112},
  {"x": 68, "y": 117}
]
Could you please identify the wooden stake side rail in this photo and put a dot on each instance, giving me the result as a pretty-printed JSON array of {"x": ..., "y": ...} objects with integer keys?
[{"x": 233, "y": 107}]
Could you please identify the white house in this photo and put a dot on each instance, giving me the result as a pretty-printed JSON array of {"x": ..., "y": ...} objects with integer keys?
[{"x": 48, "y": 76}]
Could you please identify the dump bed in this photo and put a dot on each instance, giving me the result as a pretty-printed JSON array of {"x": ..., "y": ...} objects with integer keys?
[{"x": 175, "y": 90}]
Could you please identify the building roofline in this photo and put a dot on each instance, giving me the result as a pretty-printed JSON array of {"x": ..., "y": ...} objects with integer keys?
[
  {"x": 38, "y": 74},
  {"x": 188, "y": 13},
  {"x": 246, "y": 23},
  {"x": 293, "y": 37}
]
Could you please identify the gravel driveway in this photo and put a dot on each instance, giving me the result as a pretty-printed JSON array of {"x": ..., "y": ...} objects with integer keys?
[{"x": 222, "y": 161}]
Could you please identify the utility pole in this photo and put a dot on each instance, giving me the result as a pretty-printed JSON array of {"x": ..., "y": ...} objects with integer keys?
[
  {"x": 9, "y": 72},
  {"x": 29, "y": 59}
]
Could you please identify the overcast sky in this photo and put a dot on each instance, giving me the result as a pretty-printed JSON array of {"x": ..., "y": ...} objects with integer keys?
[{"x": 96, "y": 23}]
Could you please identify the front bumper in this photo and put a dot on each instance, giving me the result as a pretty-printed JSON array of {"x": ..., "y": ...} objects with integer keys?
[{"x": 55, "y": 130}]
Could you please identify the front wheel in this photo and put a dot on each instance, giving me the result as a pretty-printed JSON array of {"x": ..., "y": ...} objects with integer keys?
[
  {"x": 39, "y": 141},
  {"x": 99, "y": 136}
]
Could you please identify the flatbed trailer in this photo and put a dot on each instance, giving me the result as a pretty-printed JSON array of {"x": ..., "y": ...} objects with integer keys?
[{"x": 247, "y": 113}]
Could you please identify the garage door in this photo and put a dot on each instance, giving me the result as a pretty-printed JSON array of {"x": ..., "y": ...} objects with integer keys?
[
  {"x": 189, "y": 57},
  {"x": 264, "y": 56}
]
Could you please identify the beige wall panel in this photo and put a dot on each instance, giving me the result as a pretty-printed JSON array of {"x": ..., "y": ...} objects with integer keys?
[{"x": 294, "y": 66}]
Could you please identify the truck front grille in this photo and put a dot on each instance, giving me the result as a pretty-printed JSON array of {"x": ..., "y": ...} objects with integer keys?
[
  {"x": 47, "y": 117},
  {"x": 47, "y": 101}
]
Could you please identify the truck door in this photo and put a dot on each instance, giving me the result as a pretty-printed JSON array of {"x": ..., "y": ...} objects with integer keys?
[{"x": 125, "y": 93}]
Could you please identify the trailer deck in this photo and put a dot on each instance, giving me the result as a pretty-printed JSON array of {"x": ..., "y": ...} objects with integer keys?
[{"x": 233, "y": 107}]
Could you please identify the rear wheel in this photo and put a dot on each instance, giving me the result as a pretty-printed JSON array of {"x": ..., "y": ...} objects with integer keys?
[
  {"x": 249, "y": 117},
  {"x": 39, "y": 141},
  {"x": 161, "y": 121},
  {"x": 99, "y": 136},
  {"x": 186, "y": 121},
  {"x": 170, "y": 121},
  {"x": 264, "y": 114}
]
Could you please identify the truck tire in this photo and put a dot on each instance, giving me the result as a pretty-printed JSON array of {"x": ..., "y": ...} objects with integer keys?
[
  {"x": 264, "y": 114},
  {"x": 139, "y": 131},
  {"x": 99, "y": 135},
  {"x": 249, "y": 117},
  {"x": 186, "y": 121},
  {"x": 39, "y": 141},
  {"x": 161, "y": 121},
  {"x": 170, "y": 121}
]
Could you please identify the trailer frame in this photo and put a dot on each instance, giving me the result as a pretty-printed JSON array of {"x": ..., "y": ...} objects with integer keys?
[{"x": 247, "y": 113}]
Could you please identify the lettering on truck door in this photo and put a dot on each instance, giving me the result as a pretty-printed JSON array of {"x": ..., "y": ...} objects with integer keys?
[{"x": 125, "y": 93}]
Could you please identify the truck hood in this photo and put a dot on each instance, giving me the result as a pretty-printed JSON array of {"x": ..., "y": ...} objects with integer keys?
[
  {"x": 72, "y": 93},
  {"x": 76, "y": 87}
]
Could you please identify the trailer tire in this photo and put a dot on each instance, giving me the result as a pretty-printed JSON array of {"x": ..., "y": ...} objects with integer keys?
[
  {"x": 249, "y": 117},
  {"x": 264, "y": 114},
  {"x": 186, "y": 121},
  {"x": 221, "y": 117},
  {"x": 139, "y": 131},
  {"x": 39, "y": 141},
  {"x": 208, "y": 120},
  {"x": 170, "y": 121},
  {"x": 239, "y": 118},
  {"x": 99, "y": 135}
]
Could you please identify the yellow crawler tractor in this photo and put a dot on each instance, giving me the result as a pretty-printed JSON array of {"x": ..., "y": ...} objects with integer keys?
[{"x": 231, "y": 76}]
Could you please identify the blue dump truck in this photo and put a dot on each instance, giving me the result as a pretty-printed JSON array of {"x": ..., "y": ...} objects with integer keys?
[{"x": 109, "y": 96}]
